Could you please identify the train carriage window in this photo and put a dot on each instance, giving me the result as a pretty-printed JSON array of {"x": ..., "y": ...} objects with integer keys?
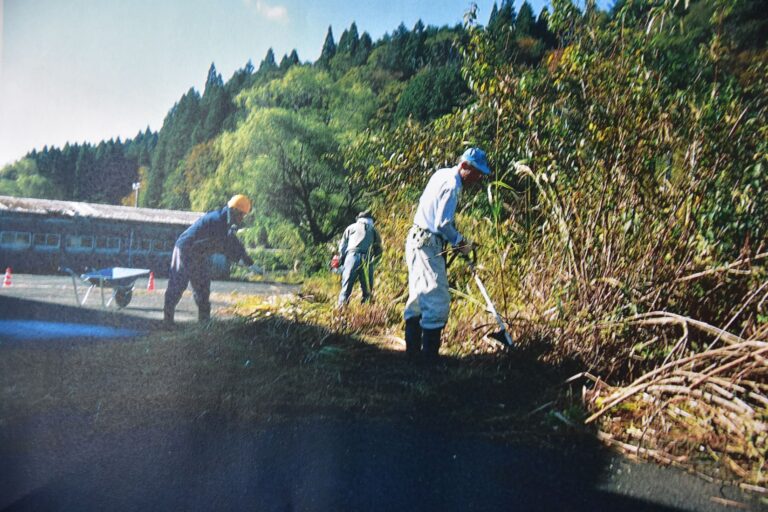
[
  {"x": 141, "y": 244},
  {"x": 16, "y": 239},
  {"x": 107, "y": 243},
  {"x": 161, "y": 246},
  {"x": 50, "y": 240},
  {"x": 79, "y": 243}
]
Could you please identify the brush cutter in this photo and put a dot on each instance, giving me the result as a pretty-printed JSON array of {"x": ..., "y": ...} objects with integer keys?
[{"x": 502, "y": 335}]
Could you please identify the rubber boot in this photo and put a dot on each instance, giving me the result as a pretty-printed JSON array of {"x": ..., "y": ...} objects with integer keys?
[
  {"x": 168, "y": 319},
  {"x": 430, "y": 348},
  {"x": 203, "y": 314},
  {"x": 412, "y": 337}
]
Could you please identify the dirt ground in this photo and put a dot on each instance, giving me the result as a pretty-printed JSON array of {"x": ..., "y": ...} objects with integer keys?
[{"x": 59, "y": 289}]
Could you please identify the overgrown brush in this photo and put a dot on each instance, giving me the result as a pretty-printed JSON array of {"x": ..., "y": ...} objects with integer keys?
[
  {"x": 626, "y": 225},
  {"x": 637, "y": 212}
]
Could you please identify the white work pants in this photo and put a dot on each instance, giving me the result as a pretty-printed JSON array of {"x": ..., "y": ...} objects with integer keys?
[{"x": 428, "y": 294}]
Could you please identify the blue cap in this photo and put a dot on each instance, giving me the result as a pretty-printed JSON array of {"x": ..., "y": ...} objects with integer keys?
[{"x": 476, "y": 158}]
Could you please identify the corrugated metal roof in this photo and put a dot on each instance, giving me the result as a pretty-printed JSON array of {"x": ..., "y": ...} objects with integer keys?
[{"x": 98, "y": 211}]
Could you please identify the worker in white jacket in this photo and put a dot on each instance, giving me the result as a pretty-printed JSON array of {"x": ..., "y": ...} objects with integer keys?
[
  {"x": 429, "y": 300},
  {"x": 359, "y": 248}
]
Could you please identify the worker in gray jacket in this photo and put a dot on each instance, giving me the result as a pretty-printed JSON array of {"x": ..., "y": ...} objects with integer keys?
[
  {"x": 429, "y": 300},
  {"x": 359, "y": 248}
]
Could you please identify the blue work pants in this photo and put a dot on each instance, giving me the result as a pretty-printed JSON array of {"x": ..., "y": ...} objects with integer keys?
[
  {"x": 185, "y": 270},
  {"x": 357, "y": 267}
]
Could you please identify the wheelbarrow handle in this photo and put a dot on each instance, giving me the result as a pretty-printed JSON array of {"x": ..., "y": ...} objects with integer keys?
[{"x": 74, "y": 277}]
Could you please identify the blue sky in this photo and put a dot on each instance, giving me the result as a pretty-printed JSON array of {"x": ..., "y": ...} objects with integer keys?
[{"x": 89, "y": 70}]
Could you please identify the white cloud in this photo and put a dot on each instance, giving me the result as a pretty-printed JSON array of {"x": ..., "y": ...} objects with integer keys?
[{"x": 271, "y": 12}]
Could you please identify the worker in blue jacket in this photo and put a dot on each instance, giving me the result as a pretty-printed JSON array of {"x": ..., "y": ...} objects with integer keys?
[{"x": 212, "y": 233}]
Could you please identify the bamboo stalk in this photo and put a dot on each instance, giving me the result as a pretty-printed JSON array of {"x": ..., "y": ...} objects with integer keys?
[
  {"x": 665, "y": 318},
  {"x": 760, "y": 398},
  {"x": 701, "y": 395},
  {"x": 679, "y": 343},
  {"x": 636, "y": 450},
  {"x": 754, "y": 488},
  {"x": 729, "y": 424},
  {"x": 716, "y": 270},
  {"x": 727, "y": 366},
  {"x": 729, "y": 503},
  {"x": 636, "y": 386},
  {"x": 738, "y": 313},
  {"x": 725, "y": 383}
]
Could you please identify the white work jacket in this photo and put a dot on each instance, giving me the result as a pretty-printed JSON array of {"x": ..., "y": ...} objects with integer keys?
[{"x": 437, "y": 206}]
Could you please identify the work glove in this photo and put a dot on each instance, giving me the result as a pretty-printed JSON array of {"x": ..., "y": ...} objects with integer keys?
[
  {"x": 246, "y": 261},
  {"x": 465, "y": 247}
]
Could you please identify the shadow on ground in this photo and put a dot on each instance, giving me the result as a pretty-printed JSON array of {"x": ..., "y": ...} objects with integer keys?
[
  {"x": 324, "y": 465},
  {"x": 277, "y": 415},
  {"x": 28, "y": 320}
]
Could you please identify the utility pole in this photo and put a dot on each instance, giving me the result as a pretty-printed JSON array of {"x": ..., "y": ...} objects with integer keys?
[{"x": 136, "y": 186}]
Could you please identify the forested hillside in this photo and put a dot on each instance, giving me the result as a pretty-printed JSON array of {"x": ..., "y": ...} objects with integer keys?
[
  {"x": 623, "y": 231},
  {"x": 290, "y": 124}
]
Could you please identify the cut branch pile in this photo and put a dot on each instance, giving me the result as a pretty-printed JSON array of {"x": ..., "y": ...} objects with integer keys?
[{"x": 694, "y": 410}]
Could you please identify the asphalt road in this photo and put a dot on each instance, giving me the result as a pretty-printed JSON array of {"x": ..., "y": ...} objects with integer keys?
[
  {"x": 62, "y": 462},
  {"x": 321, "y": 465},
  {"x": 66, "y": 460},
  {"x": 31, "y": 316}
]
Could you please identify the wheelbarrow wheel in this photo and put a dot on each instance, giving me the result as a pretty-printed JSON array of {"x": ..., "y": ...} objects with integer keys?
[{"x": 123, "y": 297}]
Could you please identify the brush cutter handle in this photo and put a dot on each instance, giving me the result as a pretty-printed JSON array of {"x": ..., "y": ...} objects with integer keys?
[
  {"x": 507, "y": 339},
  {"x": 470, "y": 258}
]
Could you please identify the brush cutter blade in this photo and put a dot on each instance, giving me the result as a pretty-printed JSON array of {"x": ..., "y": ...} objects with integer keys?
[{"x": 500, "y": 336}]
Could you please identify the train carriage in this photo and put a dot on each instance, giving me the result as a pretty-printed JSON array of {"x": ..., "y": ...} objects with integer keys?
[{"x": 40, "y": 235}]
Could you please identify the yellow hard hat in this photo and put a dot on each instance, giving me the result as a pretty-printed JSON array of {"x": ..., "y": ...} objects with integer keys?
[{"x": 240, "y": 202}]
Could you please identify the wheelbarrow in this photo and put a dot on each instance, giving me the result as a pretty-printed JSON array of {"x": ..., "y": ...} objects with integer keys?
[{"x": 120, "y": 280}]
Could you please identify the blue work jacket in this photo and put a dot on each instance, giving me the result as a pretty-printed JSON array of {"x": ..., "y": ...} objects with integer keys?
[{"x": 211, "y": 233}]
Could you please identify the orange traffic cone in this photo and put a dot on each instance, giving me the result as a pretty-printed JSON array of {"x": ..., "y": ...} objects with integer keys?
[
  {"x": 151, "y": 282},
  {"x": 7, "y": 280}
]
